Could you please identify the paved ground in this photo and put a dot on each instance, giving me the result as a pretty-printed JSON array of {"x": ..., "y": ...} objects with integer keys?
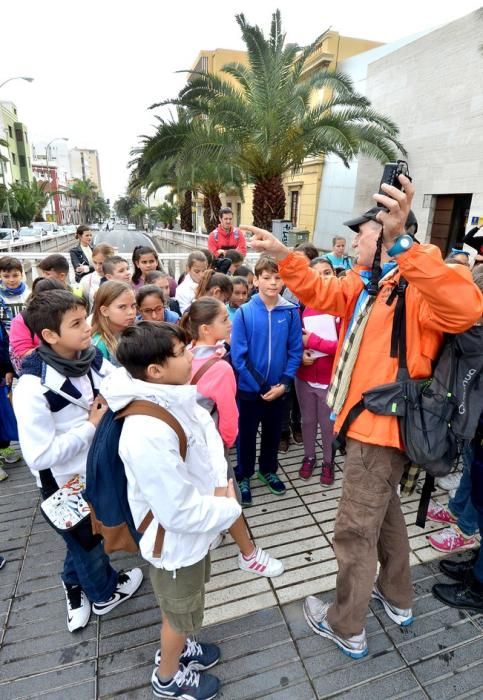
[{"x": 268, "y": 651}]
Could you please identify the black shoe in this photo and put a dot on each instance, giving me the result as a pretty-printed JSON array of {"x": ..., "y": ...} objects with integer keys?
[
  {"x": 458, "y": 569},
  {"x": 284, "y": 443},
  {"x": 466, "y": 596},
  {"x": 297, "y": 435}
]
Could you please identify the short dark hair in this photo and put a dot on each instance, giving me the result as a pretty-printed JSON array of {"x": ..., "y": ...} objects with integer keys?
[
  {"x": 45, "y": 284},
  {"x": 265, "y": 264},
  {"x": 146, "y": 290},
  {"x": 81, "y": 229},
  {"x": 154, "y": 275},
  {"x": 238, "y": 279},
  {"x": 243, "y": 271},
  {"x": 110, "y": 263},
  {"x": 146, "y": 343},
  {"x": 54, "y": 262},
  {"x": 308, "y": 249},
  {"x": 340, "y": 238},
  {"x": 8, "y": 263},
  {"x": 47, "y": 309},
  {"x": 321, "y": 259},
  {"x": 224, "y": 210},
  {"x": 477, "y": 273},
  {"x": 235, "y": 256}
]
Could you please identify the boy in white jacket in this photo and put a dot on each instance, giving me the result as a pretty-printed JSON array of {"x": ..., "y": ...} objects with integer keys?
[
  {"x": 57, "y": 414},
  {"x": 180, "y": 493}
]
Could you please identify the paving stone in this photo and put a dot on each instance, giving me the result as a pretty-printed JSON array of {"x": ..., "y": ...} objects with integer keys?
[
  {"x": 239, "y": 607},
  {"x": 40, "y": 663},
  {"x": 260, "y": 685},
  {"x": 357, "y": 671},
  {"x": 395, "y": 685},
  {"x": 66, "y": 679},
  {"x": 135, "y": 678},
  {"x": 450, "y": 661},
  {"x": 459, "y": 685}
]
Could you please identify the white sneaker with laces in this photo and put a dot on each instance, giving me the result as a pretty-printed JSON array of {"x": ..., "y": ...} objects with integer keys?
[
  {"x": 261, "y": 563},
  {"x": 315, "y": 612},
  {"x": 450, "y": 482},
  {"x": 78, "y": 607},
  {"x": 128, "y": 583},
  {"x": 401, "y": 616}
]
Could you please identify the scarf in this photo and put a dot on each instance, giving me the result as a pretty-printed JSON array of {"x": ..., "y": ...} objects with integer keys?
[
  {"x": 339, "y": 387},
  {"x": 6, "y": 292},
  {"x": 68, "y": 368}
]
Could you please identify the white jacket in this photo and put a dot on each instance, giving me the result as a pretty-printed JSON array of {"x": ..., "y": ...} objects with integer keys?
[
  {"x": 179, "y": 493},
  {"x": 59, "y": 439},
  {"x": 185, "y": 292}
]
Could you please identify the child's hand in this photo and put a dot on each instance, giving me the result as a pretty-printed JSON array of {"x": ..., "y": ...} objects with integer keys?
[
  {"x": 230, "y": 490},
  {"x": 97, "y": 411},
  {"x": 307, "y": 359},
  {"x": 275, "y": 393},
  {"x": 305, "y": 337}
]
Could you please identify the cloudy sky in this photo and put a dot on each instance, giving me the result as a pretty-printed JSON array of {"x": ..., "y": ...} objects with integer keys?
[{"x": 99, "y": 64}]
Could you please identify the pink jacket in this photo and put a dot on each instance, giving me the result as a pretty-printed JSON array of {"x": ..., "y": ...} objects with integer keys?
[
  {"x": 20, "y": 339},
  {"x": 321, "y": 371},
  {"x": 218, "y": 385}
]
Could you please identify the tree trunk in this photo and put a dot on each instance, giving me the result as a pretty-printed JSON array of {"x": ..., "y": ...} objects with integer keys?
[
  {"x": 211, "y": 210},
  {"x": 268, "y": 202},
  {"x": 186, "y": 214}
]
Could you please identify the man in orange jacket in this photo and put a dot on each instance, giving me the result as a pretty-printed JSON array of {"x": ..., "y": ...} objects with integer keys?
[{"x": 439, "y": 299}]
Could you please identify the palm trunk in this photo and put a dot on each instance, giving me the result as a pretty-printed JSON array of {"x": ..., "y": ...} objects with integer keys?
[
  {"x": 268, "y": 202},
  {"x": 211, "y": 210},
  {"x": 186, "y": 214}
]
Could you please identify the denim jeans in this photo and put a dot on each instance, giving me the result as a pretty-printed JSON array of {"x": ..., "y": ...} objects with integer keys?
[
  {"x": 91, "y": 570},
  {"x": 460, "y": 505}
]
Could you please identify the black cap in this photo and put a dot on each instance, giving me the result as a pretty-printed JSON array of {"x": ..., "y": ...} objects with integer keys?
[{"x": 369, "y": 215}]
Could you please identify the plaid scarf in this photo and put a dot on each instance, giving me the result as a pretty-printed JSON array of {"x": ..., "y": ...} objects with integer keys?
[{"x": 339, "y": 387}]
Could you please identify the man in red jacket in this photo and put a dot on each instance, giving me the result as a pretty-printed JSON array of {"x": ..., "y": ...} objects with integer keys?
[{"x": 225, "y": 237}]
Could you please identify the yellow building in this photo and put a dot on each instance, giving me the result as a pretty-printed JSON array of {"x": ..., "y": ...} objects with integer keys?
[{"x": 302, "y": 187}]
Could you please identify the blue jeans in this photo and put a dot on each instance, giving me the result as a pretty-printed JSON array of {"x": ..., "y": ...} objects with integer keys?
[
  {"x": 91, "y": 570},
  {"x": 460, "y": 505}
]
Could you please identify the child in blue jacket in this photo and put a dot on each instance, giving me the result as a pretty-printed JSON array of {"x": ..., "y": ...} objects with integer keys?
[{"x": 266, "y": 351}]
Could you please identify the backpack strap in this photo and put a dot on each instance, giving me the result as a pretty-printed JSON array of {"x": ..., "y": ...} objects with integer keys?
[
  {"x": 148, "y": 408},
  {"x": 203, "y": 369}
]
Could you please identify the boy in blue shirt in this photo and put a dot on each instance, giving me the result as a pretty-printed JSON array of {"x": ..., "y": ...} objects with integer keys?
[{"x": 266, "y": 351}]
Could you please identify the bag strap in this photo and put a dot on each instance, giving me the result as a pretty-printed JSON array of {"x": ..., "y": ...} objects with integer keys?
[
  {"x": 428, "y": 487},
  {"x": 203, "y": 369},
  {"x": 257, "y": 376},
  {"x": 148, "y": 408}
]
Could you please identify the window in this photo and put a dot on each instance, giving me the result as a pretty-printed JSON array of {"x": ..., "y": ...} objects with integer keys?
[
  {"x": 22, "y": 162},
  {"x": 14, "y": 158},
  {"x": 294, "y": 206},
  {"x": 18, "y": 134},
  {"x": 10, "y": 132}
]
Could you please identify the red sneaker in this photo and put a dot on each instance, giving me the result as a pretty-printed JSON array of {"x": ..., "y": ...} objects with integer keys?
[
  {"x": 440, "y": 514},
  {"x": 307, "y": 468},
  {"x": 327, "y": 476}
]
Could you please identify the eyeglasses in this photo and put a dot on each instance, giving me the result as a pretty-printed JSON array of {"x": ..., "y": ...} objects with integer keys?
[{"x": 153, "y": 312}]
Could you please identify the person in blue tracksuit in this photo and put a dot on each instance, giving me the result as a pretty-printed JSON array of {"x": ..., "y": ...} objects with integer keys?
[{"x": 266, "y": 351}]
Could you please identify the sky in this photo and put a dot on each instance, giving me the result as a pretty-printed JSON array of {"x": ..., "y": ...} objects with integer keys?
[{"x": 98, "y": 65}]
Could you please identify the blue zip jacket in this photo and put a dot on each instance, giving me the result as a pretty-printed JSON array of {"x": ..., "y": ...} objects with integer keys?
[{"x": 266, "y": 345}]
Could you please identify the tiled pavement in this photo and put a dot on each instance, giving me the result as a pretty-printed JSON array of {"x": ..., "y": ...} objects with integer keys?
[{"x": 268, "y": 651}]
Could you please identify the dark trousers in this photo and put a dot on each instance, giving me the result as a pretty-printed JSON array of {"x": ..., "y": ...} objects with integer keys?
[
  {"x": 291, "y": 413},
  {"x": 253, "y": 413}
]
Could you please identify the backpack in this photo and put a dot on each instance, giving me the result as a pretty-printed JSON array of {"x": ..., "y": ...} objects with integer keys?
[
  {"x": 106, "y": 489},
  {"x": 236, "y": 233}
]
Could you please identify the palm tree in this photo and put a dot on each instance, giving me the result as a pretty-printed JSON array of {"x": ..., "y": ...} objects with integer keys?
[
  {"x": 162, "y": 160},
  {"x": 266, "y": 121},
  {"x": 26, "y": 200},
  {"x": 86, "y": 192},
  {"x": 124, "y": 205}
]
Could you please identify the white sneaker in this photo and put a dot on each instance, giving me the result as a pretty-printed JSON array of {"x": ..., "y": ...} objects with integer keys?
[
  {"x": 128, "y": 583},
  {"x": 401, "y": 616},
  {"x": 315, "y": 612},
  {"x": 450, "y": 482},
  {"x": 78, "y": 607},
  {"x": 261, "y": 563}
]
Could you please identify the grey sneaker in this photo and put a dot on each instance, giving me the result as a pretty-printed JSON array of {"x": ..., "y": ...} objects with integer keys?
[
  {"x": 401, "y": 616},
  {"x": 315, "y": 612}
]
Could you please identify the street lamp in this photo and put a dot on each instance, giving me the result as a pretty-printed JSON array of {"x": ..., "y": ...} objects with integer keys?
[
  {"x": 57, "y": 138},
  {"x": 17, "y": 77}
]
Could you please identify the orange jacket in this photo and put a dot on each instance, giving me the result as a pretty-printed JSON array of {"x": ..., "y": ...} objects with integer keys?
[{"x": 439, "y": 299}]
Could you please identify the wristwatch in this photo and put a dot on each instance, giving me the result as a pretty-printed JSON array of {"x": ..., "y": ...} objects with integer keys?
[{"x": 400, "y": 245}]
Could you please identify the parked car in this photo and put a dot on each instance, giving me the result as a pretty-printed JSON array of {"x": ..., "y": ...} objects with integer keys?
[
  {"x": 94, "y": 227},
  {"x": 48, "y": 226},
  {"x": 32, "y": 233},
  {"x": 131, "y": 227},
  {"x": 8, "y": 234}
]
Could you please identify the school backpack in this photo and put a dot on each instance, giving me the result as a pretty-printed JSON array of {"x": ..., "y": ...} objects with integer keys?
[
  {"x": 236, "y": 234},
  {"x": 106, "y": 482}
]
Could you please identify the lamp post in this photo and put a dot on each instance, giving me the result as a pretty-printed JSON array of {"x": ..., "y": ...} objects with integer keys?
[
  {"x": 17, "y": 77},
  {"x": 57, "y": 138}
]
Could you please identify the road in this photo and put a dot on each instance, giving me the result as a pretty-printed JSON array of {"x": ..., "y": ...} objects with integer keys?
[{"x": 125, "y": 241}]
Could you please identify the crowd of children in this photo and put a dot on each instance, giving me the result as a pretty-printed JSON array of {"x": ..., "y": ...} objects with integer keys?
[{"x": 226, "y": 354}]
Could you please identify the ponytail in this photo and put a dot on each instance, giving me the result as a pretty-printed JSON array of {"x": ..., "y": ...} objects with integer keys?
[
  {"x": 212, "y": 279},
  {"x": 202, "y": 311}
]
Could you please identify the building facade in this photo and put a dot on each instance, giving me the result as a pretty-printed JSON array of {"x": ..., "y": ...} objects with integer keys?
[
  {"x": 15, "y": 134},
  {"x": 84, "y": 165}
]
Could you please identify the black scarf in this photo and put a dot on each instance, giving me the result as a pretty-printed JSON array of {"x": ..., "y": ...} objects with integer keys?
[{"x": 68, "y": 368}]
